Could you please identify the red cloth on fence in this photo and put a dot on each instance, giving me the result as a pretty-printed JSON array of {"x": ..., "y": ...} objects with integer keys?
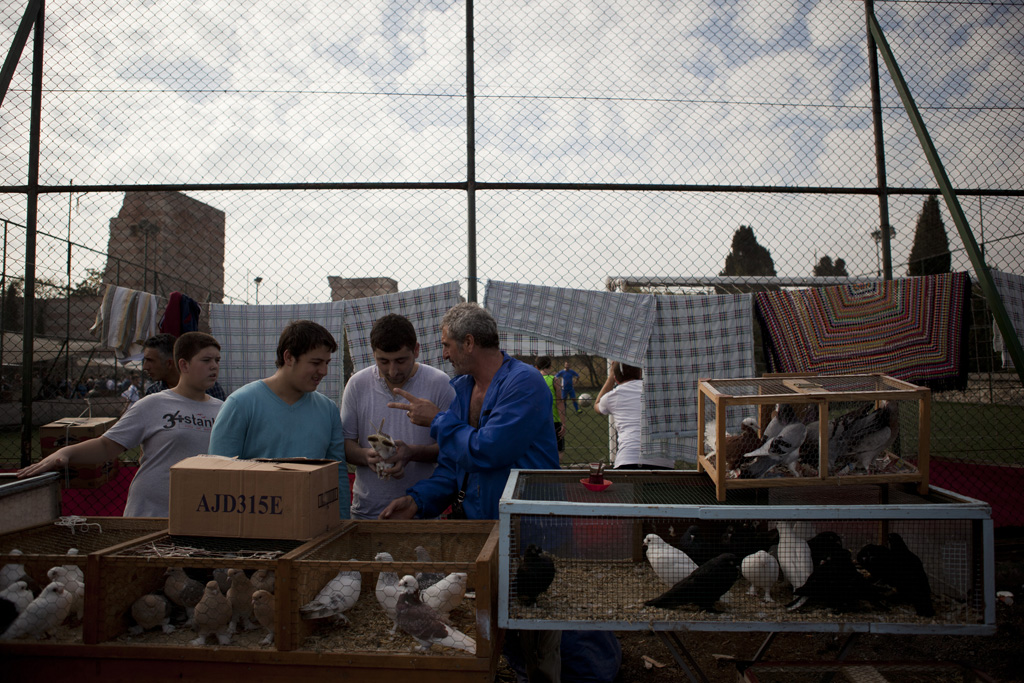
[{"x": 997, "y": 485}]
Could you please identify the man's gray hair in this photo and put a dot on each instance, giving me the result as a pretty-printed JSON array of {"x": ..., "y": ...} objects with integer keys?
[{"x": 471, "y": 318}]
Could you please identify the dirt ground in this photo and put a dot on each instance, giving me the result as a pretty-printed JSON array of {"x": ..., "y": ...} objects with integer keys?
[{"x": 1000, "y": 655}]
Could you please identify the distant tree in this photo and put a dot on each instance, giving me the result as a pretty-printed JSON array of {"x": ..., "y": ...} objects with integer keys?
[
  {"x": 12, "y": 307},
  {"x": 92, "y": 285},
  {"x": 747, "y": 256},
  {"x": 826, "y": 268},
  {"x": 930, "y": 253}
]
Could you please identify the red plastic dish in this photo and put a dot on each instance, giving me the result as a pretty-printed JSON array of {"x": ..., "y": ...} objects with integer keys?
[{"x": 595, "y": 487}]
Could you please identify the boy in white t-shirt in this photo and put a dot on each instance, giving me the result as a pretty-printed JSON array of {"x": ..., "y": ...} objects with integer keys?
[
  {"x": 621, "y": 398},
  {"x": 170, "y": 426}
]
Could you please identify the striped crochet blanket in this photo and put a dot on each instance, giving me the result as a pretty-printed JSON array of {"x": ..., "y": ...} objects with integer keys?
[{"x": 914, "y": 329}]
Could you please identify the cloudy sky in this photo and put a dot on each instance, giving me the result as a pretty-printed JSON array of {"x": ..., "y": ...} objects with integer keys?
[{"x": 762, "y": 92}]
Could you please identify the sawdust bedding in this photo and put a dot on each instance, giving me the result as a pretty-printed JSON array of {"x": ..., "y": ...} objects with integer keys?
[{"x": 615, "y": 590}]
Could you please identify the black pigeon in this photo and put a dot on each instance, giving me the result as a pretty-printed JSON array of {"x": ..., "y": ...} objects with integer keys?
[
  {"x": 836, "y": 583},
  {"x": 911, "y": 580},
  {"x": 704, "y": 586},
  {"x": 822, "y": 544},
  {"x": 8, "y": 613},
  {"x": 707, "y": 541},
  {"x": 534, "y": 575},
  {"x": 876, "y": 560}
]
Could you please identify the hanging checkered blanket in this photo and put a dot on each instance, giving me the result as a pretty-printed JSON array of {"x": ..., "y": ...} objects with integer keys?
[{"x": 914, "y": 329}]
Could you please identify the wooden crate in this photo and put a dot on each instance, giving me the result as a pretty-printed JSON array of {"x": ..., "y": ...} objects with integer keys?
[
  {"x": 454, "y": 546},
  {"x": 124, "y": 573},
  {"x": 723, "y": 403}
]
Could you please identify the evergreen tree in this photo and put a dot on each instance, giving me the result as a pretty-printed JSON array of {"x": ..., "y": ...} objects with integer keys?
[
  {"x": 826, "y": 268},
  {"x": 747, "y": 256},
  {"x": 13, "y": 305},
  {"x": 930, "y": 253}
]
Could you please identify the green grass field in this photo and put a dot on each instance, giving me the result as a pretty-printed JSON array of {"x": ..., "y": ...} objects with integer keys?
[{"x": 970, "y": 432}]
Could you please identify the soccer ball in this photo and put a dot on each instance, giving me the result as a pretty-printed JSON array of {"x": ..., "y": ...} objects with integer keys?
[{"x": 585, "y": 399}]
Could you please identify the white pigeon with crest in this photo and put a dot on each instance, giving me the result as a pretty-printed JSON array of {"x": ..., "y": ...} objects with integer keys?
[
  {"x": 669, "y": 563},
  {"x": 73, "y": 580},
  {"x": 387, "y": 590},
  {"x": 334, "y": 599},
  {"x": 794, "y": 553},
  {"x": 446, "y": 594},
  {"x": 421, "y": 622},
  {"x": 43, "y": 615}
]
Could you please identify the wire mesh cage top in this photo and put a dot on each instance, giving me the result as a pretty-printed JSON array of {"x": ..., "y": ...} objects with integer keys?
[{"x": 798, "y": 385}]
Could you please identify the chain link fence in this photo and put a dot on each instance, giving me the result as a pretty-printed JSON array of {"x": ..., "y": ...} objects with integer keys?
[{"x": 256, "y": 153}]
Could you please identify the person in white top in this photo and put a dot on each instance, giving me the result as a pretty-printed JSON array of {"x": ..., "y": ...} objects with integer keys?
[{"x": 621, "y": 398}]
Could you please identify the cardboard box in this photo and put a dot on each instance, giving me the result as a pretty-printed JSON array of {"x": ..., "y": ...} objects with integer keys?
[
  {"x": 71, "y": 430},
  {"x": 291, "y": 498}
]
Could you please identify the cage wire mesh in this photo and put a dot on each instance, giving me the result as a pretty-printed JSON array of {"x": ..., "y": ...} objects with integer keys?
[
  {"x": 269, "y": 154},
  {"x": 632, "y": 571},
  {"x": 379, "y": 572}
]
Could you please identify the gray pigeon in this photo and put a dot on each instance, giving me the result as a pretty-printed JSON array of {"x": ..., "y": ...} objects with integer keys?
[
  {"x": 150, "y": 611},
  {"x": 335, "y": 598},
  {"x": 423, "y": 623},
  {"x": 387, "y": 589},
  {"x": 426, "y": 579}
]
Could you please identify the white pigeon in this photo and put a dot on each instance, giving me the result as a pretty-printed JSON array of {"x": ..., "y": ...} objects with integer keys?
[
  {"x": 150, "y": 611},
  {"x": 446, "y": 594},
  {"x": 43, "y": 615},
  {"x": 794, "y": 553},
  {"x": 212, "y": 616},
  {"x": 421, "y": 622},
  {"x": 73, "y": 580},
  {"x": 239, "y": 595},
  {"x": 387, "y": 589},
  {"x": 669, "y": 563},
  {"x": 335, "y": 598},
  {"x": 11, "y": 572},
  {"x": 19, "y": 595},
  {"x": 762, "y": 571}
]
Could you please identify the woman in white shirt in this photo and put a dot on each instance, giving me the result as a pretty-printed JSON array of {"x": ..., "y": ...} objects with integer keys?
[{"x": 621, "y": 398}]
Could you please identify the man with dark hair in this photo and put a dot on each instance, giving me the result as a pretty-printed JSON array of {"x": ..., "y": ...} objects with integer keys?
[
  {"x": 158, "y": 362},
  {"x": 568, "y": 376},
  {"x": 170, "y": 426},
  {"x": 364, "y": 411},
  {"x": 284, "y": 416},
  {"x": 621, "y": 398}
]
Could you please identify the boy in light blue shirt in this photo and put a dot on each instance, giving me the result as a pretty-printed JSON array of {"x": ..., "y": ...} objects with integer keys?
[{"x": 283, "y": 416}]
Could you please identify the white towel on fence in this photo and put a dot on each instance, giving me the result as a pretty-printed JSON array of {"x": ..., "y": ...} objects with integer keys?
[
  {"x": 423, "y": 307},
  {"x": 248, "y": 338},
  {"x": 125, "y": 319},
  {"x": 1011, "y": 291}
]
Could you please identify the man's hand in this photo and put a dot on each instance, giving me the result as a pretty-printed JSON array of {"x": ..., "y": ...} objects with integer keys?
[
  {"x": 420, "y": 411},
  {"x": 400, "y": 508},
  {"x": 54, "y": 461}
]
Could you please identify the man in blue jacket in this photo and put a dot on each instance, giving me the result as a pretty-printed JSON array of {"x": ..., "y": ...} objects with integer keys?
[{"x": 499, "y": 420}]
